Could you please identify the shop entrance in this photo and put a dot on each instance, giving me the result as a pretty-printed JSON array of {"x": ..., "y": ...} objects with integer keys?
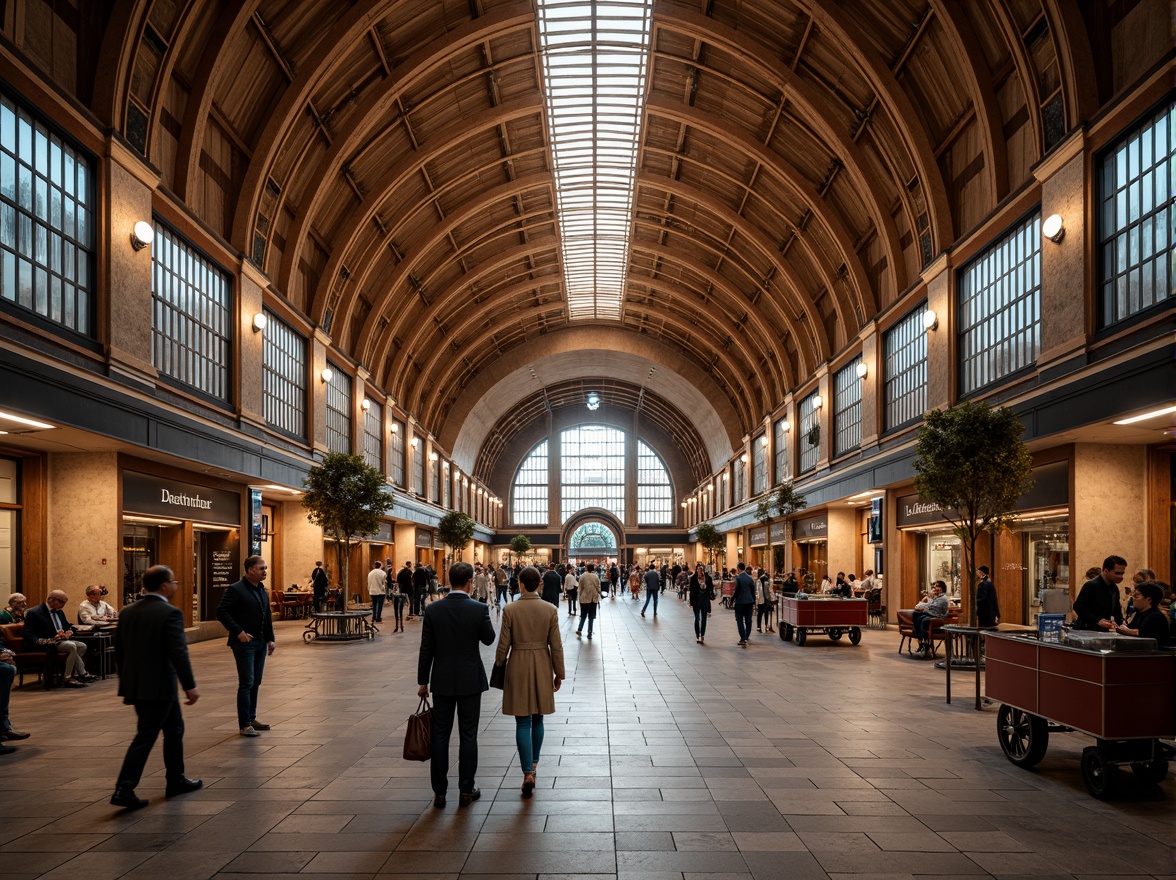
[{"x": 217, "y": 564}]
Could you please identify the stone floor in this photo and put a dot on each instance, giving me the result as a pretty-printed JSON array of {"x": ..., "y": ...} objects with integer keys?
[{"x": 665, "y": 760}]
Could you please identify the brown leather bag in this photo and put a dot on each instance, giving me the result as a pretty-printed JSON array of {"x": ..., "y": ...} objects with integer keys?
[
  {"x": 498, "y": 676},
  {"x": 418, "y": 737}
]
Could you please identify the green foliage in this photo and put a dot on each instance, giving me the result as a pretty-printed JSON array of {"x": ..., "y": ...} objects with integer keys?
[
  {"x": 972, "y": 463},
  {"x": 520, "y": 545},
  {"x": 345, "y": 497},
  {"x": 711, "y": 538},
  {"x": 788, "y": 501},
  {"x": 456, "y": 529},
  {"x": 765, "y": 510}
]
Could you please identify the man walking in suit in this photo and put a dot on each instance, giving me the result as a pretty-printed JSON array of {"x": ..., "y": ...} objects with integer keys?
[
  {"x": 151, "y": 652},
  {"x": 245, "y": 612},
  {"x": 453, "y": 627}
]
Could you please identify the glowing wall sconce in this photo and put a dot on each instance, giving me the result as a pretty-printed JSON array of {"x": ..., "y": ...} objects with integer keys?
[
  {"x": 259, "y": 321},
  {"x": 415, "y": 442},
  {"x": 930, "y": 320},
  {"x": 817, "y": 401},
  {"x": 1053, "y": 228},
  {"x": 394, "y": 428},
  {"x": 743, "y": 458},
  {"x": 764, "y": 440},
  {"x": 141, "y": 235},
  {"x": 433, "y": 456},
  {"x": 862, "y": 370},
  {"x": 787, "y": 425},
  {"x": 365, "y": 404},
  {"x": 327, "y": 375}
]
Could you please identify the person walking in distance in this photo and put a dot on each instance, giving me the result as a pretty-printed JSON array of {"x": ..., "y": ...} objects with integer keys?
[
  {"x": 652, "y": 588},
  {"x": 702, "y": 593},
  {"x": 319, "y": 581},
  {"x": 244, "y": 611},
  {"x": 404, "y": 582},
  {"x": 530, "y": 641},
  {"x": 377, "y": 587},
  {"x": 589, "y": 595},
  {"x": 449, "y": 659},
  {"x": 152, "y": 653},
  {"x": 501, "y": 579},
  {"x": 420, "y": 589},
  {"x": 744, "y": 603}
]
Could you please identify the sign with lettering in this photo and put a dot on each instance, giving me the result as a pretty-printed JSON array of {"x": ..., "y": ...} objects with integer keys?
[
  {"x": 758, "y": 537},
  {"x": 811, "y": 527},
  {"x": 424, "y": 537},
  {"x": 1051, "y": 488},
  {"x": 255, "y": 520},
  {"x": 159, "y": 496},
  {"x": 222, "y": 567}
]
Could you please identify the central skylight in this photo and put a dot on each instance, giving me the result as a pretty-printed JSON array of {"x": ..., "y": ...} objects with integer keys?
[{"x": 594, "y": 63}]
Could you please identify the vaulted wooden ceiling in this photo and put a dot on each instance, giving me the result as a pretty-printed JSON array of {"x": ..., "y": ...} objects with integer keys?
[{"x": 386, "y": 163}]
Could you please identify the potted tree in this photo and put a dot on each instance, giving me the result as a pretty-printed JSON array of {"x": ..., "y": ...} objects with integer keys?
[
  {"x": 345, "y": 497},
  {"x": 712, "y": 539},
  {"x": 973, "y": 464},
  {"x": 520, "y": 545},
  {"x": 456, "y": 529}
]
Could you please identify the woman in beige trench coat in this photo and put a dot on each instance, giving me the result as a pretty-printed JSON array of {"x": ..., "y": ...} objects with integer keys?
[{"x": 530, "y": 635}]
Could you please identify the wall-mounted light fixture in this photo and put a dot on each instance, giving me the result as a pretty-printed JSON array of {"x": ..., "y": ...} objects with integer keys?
[
  {"x": 593, "y": 401},
  {"x": 415, "y": 442},
  {"x": 1053, "y": 228},
  {"x": 764, "y": 440},
  {"x": 394, "y": 428},
  {"x": 365, "y": 404},
  {"x": 817, "y": 401},
  {"x": 683, "y": 505},
  {"x": 726, "y": 477},
  {"x": 711, "y": 487},
  {"x": 481, "y": 491},
  {"x": 327, "y": 374},
  {"x": 930, "y": 320},
  {"x": 787, "y": 425},
  {"x": 259, "y": 321},
  {"x": 862, "y": 370},
  {"x": 142, "y": 234},
  {"x": 433, "y": 456},
  {"x": 743, "y": 458}
]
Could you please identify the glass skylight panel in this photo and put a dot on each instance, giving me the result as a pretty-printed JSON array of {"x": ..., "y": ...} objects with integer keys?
[{"x": 594, "y": 66}]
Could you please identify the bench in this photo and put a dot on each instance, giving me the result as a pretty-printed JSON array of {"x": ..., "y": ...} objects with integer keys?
[{"x": 47, "y": 664}]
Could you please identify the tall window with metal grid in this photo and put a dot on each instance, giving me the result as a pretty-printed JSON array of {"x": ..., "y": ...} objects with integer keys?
[
  {"x": 739, "y": 480},
  {"x": 999, "y": 313},
  {"x": 191, "y": 326},
  {"x": 528, "y": 505},
  {"x": 759, "y": 464},
  {"x": 47, "y": 227},
  {"x": 434, "y": 478},
  {"x": 396, "y": 454},
  {"x": 847, "y": 408},
  {"x": 283, "y": 377},
  {"x": 338, "y": 420},
  {"x": 418, "y": 466},
  {"x": 780, "y": 432},
  {"x": 810, "y": 433},
  {"x": 592, "y": 470},
  {"x": 1137, "y": 220},
  {"x": 446, "y": 484},
  {"x": 373, "y": 433},
  {"x": 904, "y": 370},
  {"x": 655, "y": 498}
]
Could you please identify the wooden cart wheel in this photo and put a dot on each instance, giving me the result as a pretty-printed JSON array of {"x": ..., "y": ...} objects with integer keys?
[
  {"x": 309, "y": 636},
  {"x": 1023, "y": 737},
  {"x": 801, "y": 636},
  {"x": 855, "y": 635},
  {"x": 1101, "y": 778},
  {"x": 1154, "y": 772},
  {"x": 835, "y": 635}
]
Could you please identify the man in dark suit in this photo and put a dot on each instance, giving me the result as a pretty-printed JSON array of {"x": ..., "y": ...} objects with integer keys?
[
  {"x": 453, "y": 627},
  {"x": 319, "y": 582},
  {"x": 152, "y": 652},
  {"x": 1099, "y": 605},
  {"x": 552, "y": 584},
  {"x": 245, "y": 612},
  {"x": 46, "y": 629},
  {"x": 987, "y": 607}
]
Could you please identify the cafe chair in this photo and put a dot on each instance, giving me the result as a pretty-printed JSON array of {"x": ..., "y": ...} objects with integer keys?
[
  {"x": 48, "y": 664},
  {"x": 875, "y": 610}
]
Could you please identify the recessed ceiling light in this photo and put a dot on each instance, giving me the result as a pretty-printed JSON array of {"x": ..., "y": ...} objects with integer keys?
[{"x": 21, "y": 420}]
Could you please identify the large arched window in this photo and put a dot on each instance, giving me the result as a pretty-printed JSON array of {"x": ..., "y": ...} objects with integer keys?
[
  {"x": 654, "y": 497},
  {"x": 592, "y": 470},
  {"x": 529, "y": 498},
  {"x": 592, "y": 474}
]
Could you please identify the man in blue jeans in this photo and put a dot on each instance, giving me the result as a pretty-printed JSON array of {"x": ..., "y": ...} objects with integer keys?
[
  {"x": 744, "y": 603},
  {"x": 652, "y": 588},
  {"x": 245, "y": 612}
]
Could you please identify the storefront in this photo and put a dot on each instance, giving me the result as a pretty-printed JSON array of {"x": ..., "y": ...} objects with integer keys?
[
  {"x": 757, "y": 540},
  {"x": 167, "y": 520},
  {"x": 1031, "y": 555},
  {"x": 810, "y": 544}
]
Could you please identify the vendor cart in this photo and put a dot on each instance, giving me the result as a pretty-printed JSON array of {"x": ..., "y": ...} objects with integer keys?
[
  {"x": 1126, "y": 700},
  {"x": 727, "y": 592},
  {"x": 833, "y": 616}
]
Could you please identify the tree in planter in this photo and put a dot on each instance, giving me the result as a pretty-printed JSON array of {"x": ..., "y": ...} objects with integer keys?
[
  {"x": 345, "y": 497},
  {"x": 973, "y": 464},
  {"x": 787, "y": 502},
  {"x": 764, "y": 514},
  {"x": 519, "y": 545},
  {"x": 456, "y": 529},
  {"x": 712, "y": 539}
]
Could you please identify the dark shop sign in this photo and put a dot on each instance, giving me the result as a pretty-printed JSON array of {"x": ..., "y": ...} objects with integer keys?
[
  {"x": 1051, "y": 488},
  {"x": 811, "y": 527},
  {"x": 158, "y": 496}
]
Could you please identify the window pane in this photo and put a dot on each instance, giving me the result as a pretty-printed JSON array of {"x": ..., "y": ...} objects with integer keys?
[{"x": 284, "y": 377}]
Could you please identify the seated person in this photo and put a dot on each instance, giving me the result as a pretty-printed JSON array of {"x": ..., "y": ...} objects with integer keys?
[
  {"x": 15, "y": 611},
  {"x": 1149, "y": 621},
  {"x": 7, "y": 674},
  {"x": 933, "y": 608},
  {"x": 46, "y": 629},
  {"x": 94, "y": 610}
]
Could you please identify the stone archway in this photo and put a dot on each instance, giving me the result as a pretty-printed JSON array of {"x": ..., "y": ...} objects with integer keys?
[{"x": 587, "y": 534}]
